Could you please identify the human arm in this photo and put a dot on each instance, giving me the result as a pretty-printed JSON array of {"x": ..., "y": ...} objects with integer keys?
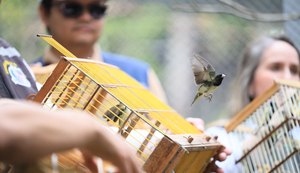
[{"x": 25, "y": 126}]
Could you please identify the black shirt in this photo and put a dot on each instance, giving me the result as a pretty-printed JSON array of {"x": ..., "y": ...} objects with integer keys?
[{"x": 16, "y": 80}]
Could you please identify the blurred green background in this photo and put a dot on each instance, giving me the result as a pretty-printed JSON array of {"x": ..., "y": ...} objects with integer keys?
[{"x": 166, "y": 34}]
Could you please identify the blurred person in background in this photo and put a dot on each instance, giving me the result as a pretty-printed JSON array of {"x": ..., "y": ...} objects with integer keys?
[
  {"x": 77, "y": 25},
  {"x": 264, "y": 60}
]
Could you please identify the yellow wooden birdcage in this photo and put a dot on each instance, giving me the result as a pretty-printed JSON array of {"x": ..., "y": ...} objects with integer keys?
[
  {"x": 164, "y": 141},
  {"x": 270, "y": 130}
]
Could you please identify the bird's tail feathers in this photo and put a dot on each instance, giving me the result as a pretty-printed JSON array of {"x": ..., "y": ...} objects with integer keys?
[{"x": 196, "y": 97}]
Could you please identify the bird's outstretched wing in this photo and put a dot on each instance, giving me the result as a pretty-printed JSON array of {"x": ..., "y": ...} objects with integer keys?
[{"x": 202, "y": 70}]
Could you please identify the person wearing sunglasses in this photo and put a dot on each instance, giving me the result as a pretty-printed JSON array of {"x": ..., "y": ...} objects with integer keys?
[{"x": 77, "y": 25}]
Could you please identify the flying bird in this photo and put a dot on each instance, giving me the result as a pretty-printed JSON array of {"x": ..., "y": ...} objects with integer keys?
[{"x": 205, "y": 77}]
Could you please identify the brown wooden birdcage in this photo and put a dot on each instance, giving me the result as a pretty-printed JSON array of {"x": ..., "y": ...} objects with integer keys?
[
  {"x": 164, "y": 141},
  {"x": 270, "y": 130}
]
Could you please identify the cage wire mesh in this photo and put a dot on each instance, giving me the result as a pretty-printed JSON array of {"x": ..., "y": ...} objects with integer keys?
[{"x": 166, "y": 33}]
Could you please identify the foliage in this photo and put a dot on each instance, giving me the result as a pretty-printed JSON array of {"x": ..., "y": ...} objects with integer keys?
[
  {"x": 19, "y": 25},
  {"x": 138, "y": 33}
]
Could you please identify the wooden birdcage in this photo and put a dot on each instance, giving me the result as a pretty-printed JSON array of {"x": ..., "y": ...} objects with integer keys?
[
  {"x": 164, "y": 141},
  {"x": 270, "y": 130}
]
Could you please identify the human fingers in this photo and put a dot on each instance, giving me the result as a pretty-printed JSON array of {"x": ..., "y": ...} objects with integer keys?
[
  {"x": 89, "y": 161},
  {"x": 223, "y": 153},
  {"x": 197, "y": 122},
  {"x": 212, "y": 167},
  {"x": 130, "y": 165}
]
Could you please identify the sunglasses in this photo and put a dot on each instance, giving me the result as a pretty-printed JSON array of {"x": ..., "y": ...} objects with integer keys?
[{"x": 74, "y": 9}]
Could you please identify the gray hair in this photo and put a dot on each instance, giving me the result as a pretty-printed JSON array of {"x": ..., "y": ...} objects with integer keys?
[{"x": 247, "y": 67}]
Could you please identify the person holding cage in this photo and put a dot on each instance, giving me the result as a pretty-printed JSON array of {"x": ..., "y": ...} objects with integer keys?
[{"x": 264, "y": 60}]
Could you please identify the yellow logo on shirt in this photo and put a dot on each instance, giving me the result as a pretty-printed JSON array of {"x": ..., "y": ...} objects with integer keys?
[
  {"x": 17, "y": 75},
  {"x": 6, "y": 64}
]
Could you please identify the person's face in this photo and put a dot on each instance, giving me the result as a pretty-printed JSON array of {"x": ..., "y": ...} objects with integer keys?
[
  {"x": 82, "y": 30},
  {"x": 279, "y": 61}
]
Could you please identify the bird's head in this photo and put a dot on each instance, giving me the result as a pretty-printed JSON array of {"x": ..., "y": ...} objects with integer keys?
[{"x": 218, "y": 79}]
